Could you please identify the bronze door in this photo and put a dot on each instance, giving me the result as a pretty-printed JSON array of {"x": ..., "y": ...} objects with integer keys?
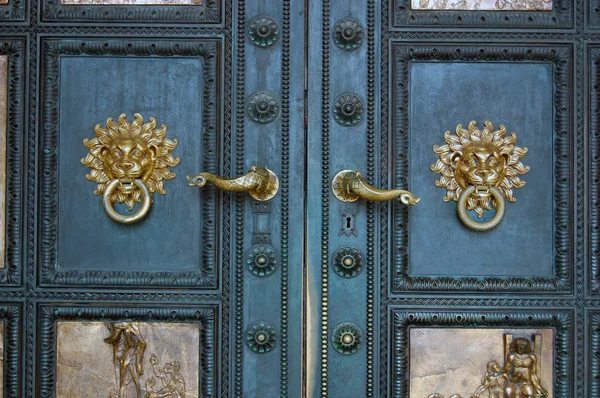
[
  {"x": 428, "y": 299},
  {"x": 311, "y": 252}
]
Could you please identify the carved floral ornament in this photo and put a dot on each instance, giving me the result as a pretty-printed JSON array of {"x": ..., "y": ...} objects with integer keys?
[{"x": 479, "y": 169}]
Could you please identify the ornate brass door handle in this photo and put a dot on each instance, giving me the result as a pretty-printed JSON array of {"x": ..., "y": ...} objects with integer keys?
[
  {"x": 349, "y": 186},
  {"x": 129, "y": 162},
  {"x": 479, "y": 169},
  {"x": 261, "y": 183}
]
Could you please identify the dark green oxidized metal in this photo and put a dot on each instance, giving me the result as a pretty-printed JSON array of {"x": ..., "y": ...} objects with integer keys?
[
  {"x": 348, "y": 109},
  {"x": 347, "y": 262},
  {"x": 261, "y": 337},
  {"x": 263, "y": 107},
  {"x": 261, "y": 260},
  {"x": 348, "y": 34},
  {"x": 263, "y": 31},
  {"x": 346, "y": 338}
]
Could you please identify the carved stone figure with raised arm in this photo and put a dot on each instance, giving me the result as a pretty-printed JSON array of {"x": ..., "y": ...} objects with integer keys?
[{"x": 171, "y": 378}]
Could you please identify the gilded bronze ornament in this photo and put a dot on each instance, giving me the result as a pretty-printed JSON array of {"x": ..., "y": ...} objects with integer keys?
[
  {"x": 347, "y": 262},
  {"x": 520, "y": 375},
  {"x": 129, "y": 347},
  {"x": 263, "y": 31},
  {"x": 129, "y": 162},
  {"x": 346, "y": 338},
  {"x": 261, "y": 261},
  {"x": 261, "y": 337},
  {"x": 263, "y": 107},
  {"x": 261, "y": 183},
  {"x": 349, "y": 186},
  {"x": 479, "y": 169},
  {"x": 348, "y": 34},
  {"x": 348, "y": 109}
]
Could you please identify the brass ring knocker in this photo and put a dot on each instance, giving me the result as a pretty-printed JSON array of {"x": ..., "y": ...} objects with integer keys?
[
  {"x": 133, "y": 158},
  {"x": 129, "y": 219},
  {"x": 461, "y": 209},
  {"x": 479, "y": 169}
]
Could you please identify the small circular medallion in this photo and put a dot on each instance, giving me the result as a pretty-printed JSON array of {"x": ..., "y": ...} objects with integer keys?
[
  {"x": 348, "y": 34},
  {"x": 348, "y": 109},
  {"x": 263, "y": 107},
  {"x": 347, "y": 262},
  {"x": 261, "y": 337},
  {"x": 261, "y": 261},
  {"x": 263, "y": 31},
  {"x": 346, "y": 338}
]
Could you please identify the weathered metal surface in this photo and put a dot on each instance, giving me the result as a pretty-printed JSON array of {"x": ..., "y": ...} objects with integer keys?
[{"x": 90, "y": 356}]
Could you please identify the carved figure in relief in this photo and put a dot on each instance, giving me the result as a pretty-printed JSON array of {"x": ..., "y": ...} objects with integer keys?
[
  {"x": 521, "y": 367},
  {"x": 128, "y": 355},
  {"x": 171, "y": 378},
  {"x": 517, "y": 379},
  {"x": 493, "y": 382}
]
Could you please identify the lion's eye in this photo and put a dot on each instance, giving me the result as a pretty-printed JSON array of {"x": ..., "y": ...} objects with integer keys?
[
  {"x": 493, "y": 162},
  {"x": 116, "y": 153},
  {"x": 137, "y": 153},
  {"x": 471, "y": 162}
]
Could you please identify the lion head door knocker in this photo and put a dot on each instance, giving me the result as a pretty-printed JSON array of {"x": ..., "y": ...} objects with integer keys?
[
  {"x": 479, "y": 169},
  {"x": 129, "y": 162}
]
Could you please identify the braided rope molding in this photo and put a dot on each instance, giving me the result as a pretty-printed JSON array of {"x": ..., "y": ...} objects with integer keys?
[
  {"x": 561, "y": 320},
  {"x": 594, "y": 355},
  {"x": 325, "y": 177},
  {"x": 594, "y": 179},
  {"x": 55, "y": 11},
  {"x": 560, "y": 17},
  {"x": 49, "y": 314},
  {"x": 52, "y": 50},
  {"x": 561, "y": 57},
  {"x": 239, "y": 200},
  {"x": 226, "y": 212},
  {"x": 370, "y": 266},
  {"x": 285, "y": 194},
  {"x": 14, "y": 11},
  {"x": 14, "y": 50}
]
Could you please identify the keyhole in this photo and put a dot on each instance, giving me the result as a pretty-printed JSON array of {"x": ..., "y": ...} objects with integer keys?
[{"x": 348, "y": 220}]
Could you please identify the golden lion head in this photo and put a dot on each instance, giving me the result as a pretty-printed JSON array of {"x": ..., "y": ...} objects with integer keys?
[
  {"x": 126, "y": 152},
  {"x": 482, "y": 158}
]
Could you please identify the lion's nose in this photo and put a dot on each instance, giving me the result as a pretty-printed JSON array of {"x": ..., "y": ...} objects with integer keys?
[
  {"x": 483, "y": 173},
  {"x": 125, "y": 166}
]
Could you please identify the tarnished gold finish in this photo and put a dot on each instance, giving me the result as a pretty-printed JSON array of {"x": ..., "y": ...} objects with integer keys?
[
  {"x": 129, "y": 163},
  {"x": 129, "y": 347},
  {"x": 261, "y": 183},
  {"x": 128, "y": 355},
  {"x": 349, "y": 186},
  {"x": 520, "y": 376},
  {"x": 479, "y": 169}
]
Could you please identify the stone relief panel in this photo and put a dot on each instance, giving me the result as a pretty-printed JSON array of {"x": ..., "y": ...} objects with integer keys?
[
  {"x": 481, "y": 363},
  {"x": 127, "y": 360},
  {"x": 483, "y": 5}
]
